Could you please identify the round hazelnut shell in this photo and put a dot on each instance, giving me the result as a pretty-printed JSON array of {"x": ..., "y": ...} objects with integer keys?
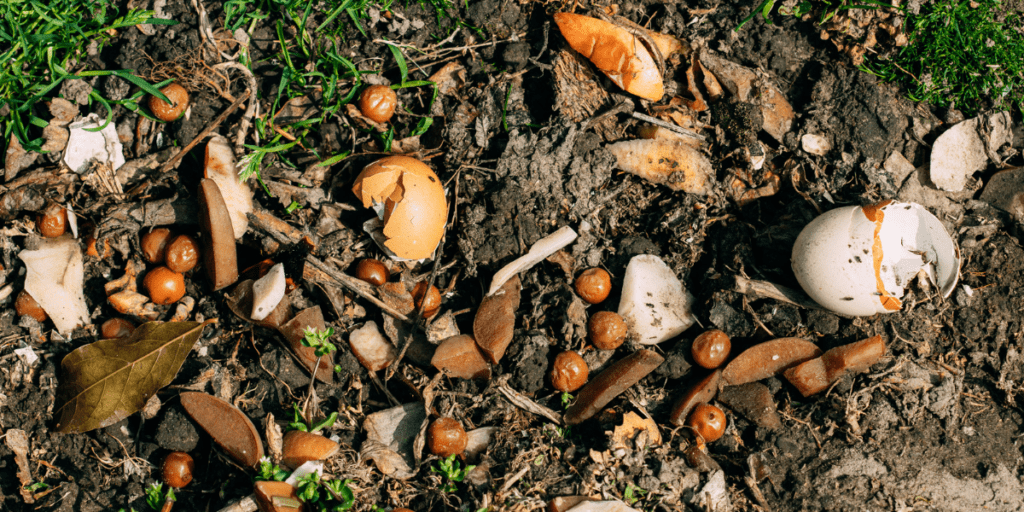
[
  {"x": 446, "y": 437},
  {"x": 711, "y": 349},
  {"x": 606, "y": 330},
  {"x": 708, "y": 421},
  {"x": 372, "y": 271},
  {"x": 53, "y": 222},
  {"x": 177, "y": 469},
  {"x": 378, "y": 102},
  {"x": 182, "y": 254},
  {"x": 569, "y": 372},
  {"x": 164, "y": 286},
  {"x": 154, "y": 244},
  {"x": 594, "y": 285},
  {"x": 116, "y": 328},
  {"x": 26, "y": 304},
  {"x": 169, "y": 112}
]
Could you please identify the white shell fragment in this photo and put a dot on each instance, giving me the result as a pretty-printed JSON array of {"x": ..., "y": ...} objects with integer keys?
[
  {"x": 674, "y": 164},
  {"x": 815, "y": 144},
  {"x": 86, "y": 146},
  {"x": 267, "y": 292},
  {"x": 654, "y": 303},
  {"x": 54, "y": 279},
  {"x": 371, "y": 348},
  {"x": 960, "y": 151},
  {"x": 538, "y": 252},
  {"x": 221, "y": 168},
  {"x": 858, "y": 260}
]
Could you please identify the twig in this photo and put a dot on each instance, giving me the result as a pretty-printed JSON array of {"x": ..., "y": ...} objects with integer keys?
[
  {"x": 668, "y": 126},
  {"x": 528, "y": 405},
  {"x": 173, "y": 161},
  {"x": 353, "y": 285},
  {"x": 515, "y": 478},
  {"x": 243, "y": 125}
]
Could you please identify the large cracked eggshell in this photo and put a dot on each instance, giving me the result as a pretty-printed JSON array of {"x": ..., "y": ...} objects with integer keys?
[
  {"x": 409, "y": 200},
  {"x": 858, "y": 261}
]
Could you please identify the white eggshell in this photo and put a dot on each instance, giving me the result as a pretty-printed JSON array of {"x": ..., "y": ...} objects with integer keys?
[
  {"x": 834, "y": 257},
  {"x": 267, "y": 292},
  {"x": 654, "y": 303}
]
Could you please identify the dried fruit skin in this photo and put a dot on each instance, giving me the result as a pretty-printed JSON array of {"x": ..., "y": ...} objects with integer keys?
[
  {"x": 53, "y": 222},
  {"x": 164, "y": 286},
  {"x": 446, "y": 437},
  {"x": 711, "y": 348},
  {"x": 767, "y": 359},
  {"x": 27, "y": 305},
  {"x": 818, "y": 374},
  {"x": 431, "y": 299},
  {"x": 169, "y": 111},
  {"x": 301, "y": 447},
  {"x": 703, "y": 392},
  {"x": 116, "y": 328},
  {"x": 709, "y": 421},
  {"x": 610, "y": 383},
  {"x": 378, "y": 102},
  {"x": 569, "y": 372},
  {"x": 182, "y": 254},
  {"x": 495, "y": 320},
  {"x": 229, "y": 427},
  {"x": 606, "y": 330},
  {"x": 177, "y": 469},
  {"x": 594, "y": 285},
  {"x": 372, "y": 271},
  {"x": 460, "y": 356},
  {"x": 154, "y": 244}
]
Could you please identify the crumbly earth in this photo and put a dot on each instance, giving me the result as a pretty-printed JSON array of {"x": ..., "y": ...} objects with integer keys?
[{"x": 935, "y": 425}]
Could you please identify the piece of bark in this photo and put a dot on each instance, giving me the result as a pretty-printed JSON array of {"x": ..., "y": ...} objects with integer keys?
[
  {"x": 767, "y": 359},
  {"x": 295, "y": 331},
  {"x": 460, "y": 357},
  {"x": 229, "y": 427},
  {"x": 17, "y": 441},
  {"x": 610, "y": 383},
  {"x": 219, "y": 254},
  {"x": 495, "y": 320},
  {"x": 701, "y": 393}
]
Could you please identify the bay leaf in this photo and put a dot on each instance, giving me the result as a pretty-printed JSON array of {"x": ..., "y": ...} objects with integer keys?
[{"x": 104, "y": 382}]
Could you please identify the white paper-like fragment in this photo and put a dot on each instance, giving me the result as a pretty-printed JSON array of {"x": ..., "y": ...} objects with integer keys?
[
  {"x": 28, "y": 355},
  {"x": 714, "y": 496},
  {"x": 654, "y": 303},
  {"x": 54, "y": 278},
  {"x": 221, "y": 168},
  {"x": 267, "y": 292},
  {"x": 371, "y": 348},
  {"x": 85, "y": 146},
  {"x": 72, "y": 221},
  {"x": 538, "y": 252}
]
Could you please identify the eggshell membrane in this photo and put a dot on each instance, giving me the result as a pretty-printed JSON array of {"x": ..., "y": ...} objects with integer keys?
[
  {"x": 415, "y": 210},
  {"x": 617, "y": 53}
]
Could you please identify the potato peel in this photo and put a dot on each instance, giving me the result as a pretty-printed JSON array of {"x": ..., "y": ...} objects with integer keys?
[{"x": 673, "y": 164}]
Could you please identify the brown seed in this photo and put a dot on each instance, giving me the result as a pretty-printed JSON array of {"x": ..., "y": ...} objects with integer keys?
[
  {"x": 378, "y": 102},
  {"x": 606, "y": 330},
  {"x": 594, "y": 285},
  {"x": 711, "y": 348},
  {"x": 154, "y": 244},
  {"x": 53, "y": 221},
  {"x": 182, "y": 254},
  {"x": 460, "y": 357},
  {"x": 610, "y": 383},
  {"x": 27, "y": 305},
  {"x": 169, "y": 111},
  {"x": 701, "y": 393},
  {"x": 301, "y": 447},
  {"x": 708, "y": 421},
  {"x": 818, "y": 374},
  {"x": 372, "y": 271},
  {"x": 446, "y": 437},
  {"x": 177, "y": 469},
  {"x": 116, "y": 328},
  {"x": 767, "y": 359},
  {"x": 229, "y": 427},
  {"x": 495, "y": 320},
  {"x": 569, "y": 372},
  {"x": 432, "y": 301},
  {"x": 164, "y": 286}
]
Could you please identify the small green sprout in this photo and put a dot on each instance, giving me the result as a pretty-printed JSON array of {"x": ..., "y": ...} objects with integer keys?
[
  {"x": 633, "y": 494},
  {"x": 299, "y": 423},
  {"x": 325, "y": 495},
  {"x": 317, "y": 340},
  {"x": 268, "y": 471},
  {"x": 452, "y": 470}
]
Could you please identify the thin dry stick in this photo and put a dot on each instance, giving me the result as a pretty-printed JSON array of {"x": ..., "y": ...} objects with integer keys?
[
  {"x": 173, "y": 162},
  {"x": 352, "y": 284},
  {"x": 668, "y": 126},
  {"x": 528, "y": 405},
  {"x": 243, "y": 125}
]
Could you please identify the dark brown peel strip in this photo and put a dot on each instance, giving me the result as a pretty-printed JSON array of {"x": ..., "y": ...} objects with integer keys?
[
  {"x": 702, "y": 393},
  {"x": 229, "y": 427},
  {"x": 610, "y": 383},
  {"x": 818, "y": 374},
  {"x": 768, "y": 359},
  {"x": 219, "y": 256},
  {"x": 495, "y": 320}
]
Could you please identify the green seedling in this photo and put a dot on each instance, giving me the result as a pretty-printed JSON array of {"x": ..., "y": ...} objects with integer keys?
[
  {"x": 325, "y": 495},
  {"x": 268, "y": 471},
  {"x": 299, "y": 423},
  {"x": 452, "y": 470},
  {"x": 633, "y": 494},
  {"x": 155, "y": 496},
  {"x": 37, "y": 486}
]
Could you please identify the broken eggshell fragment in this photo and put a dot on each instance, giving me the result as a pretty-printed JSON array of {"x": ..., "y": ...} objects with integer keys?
[
  {"x": 54, "y": 278},
  {"x": 672, "y": 163},
  {"x": 371, "y": 348},
  {"x": 620, "y": 55},
  {"x": 654, "y": 303},
  {"x": 410, "y": 205},
  {"x": 858, "y": 261}
]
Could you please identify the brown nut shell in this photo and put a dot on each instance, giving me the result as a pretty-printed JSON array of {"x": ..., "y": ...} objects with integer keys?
[
  {"x": 116, "y": 328},
  {"x": 372, "y": 271},
  {"x": 229, "y": 427},
  {"x": 610, "y": 383},
  {"x": 594, "y": 285},
  {"x": 182, "y": 254},
  {"x": 154, "y": 244},
  {"x": 461, "y": 357},
  {"x": 378, "y": 102},
  {"x": 708, "y": 421},
  {"x": 301, "y": 447},
  {"x": 25, "y": 304},
  {"x": 164, "y": 286},
  {"x": 767, "y": 359},
  {"x": 431, "y": 298},
  {"x": 569, "y": 372},
  {"x": 177, "y": 469},
  {"x": 495, "y": 320},
  {"x": 446, "y": 437},
  {"x": 606, "y": 330},
  {"x": 53, "y": 221},
  {"x": 701, "y": 393},
  {"x": 169, "y": 111},
  {"x": 711, "y": 349}
]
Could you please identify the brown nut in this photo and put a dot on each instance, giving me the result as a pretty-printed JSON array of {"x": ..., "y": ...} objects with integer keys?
[
  {"x": 431, "y": 301},
  {"x": 378, "y": 102},
  {"x": 164, "y": 285},
  {"x": 569, "y": 372},
  {"x": 708, "y": 421},
  {"x": 182, "y": 254},
  {"x": 606, "y": 330},
  {"x": 177, "y": 469},
  {"x": 711, "y": 348},
  {"x": 446, "y": 437},
  {"x": 53, "y": 221},
  {"x": 372, "y": 271},
  {"x": 154, "y": 244},
  {"x": 169, "y": 111},
  {"x": 116, "y": 328},
  {"x": 27, "y": 305},
  {"x": 594, "y": 285}
]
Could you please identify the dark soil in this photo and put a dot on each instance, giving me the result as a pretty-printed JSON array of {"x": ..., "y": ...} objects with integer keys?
[{"x": 935, "y": 425}]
